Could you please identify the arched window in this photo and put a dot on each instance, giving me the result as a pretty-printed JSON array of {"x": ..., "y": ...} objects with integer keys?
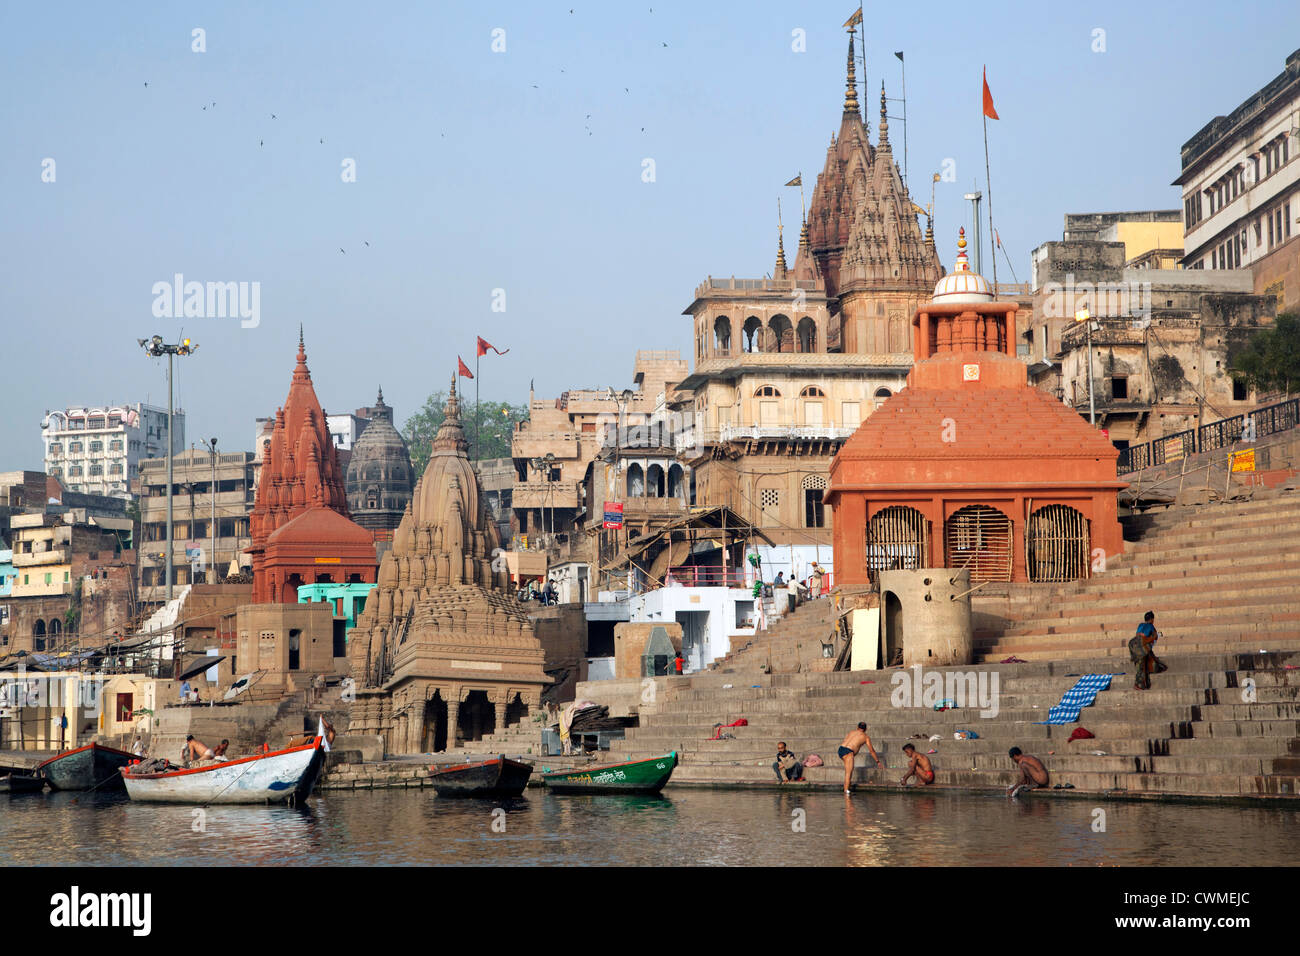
[
  {"x": 812, "y": 391},
  {"x": 882, "y": 395},
  {"x": 1058, "y": 544},
  {"x": 781, "y": 338},
  {"x": 813, "y": 408},
  {"x": 898, "y": 538},
  {"x": 722, "y": 335},
  {"x": 978, "y": 537},
  {"x": 766, "y": 391},
  {"x": 752, "y": 335},
  {"x": 807, "y": 335},
  {"x": 675, "y": 485},
  {"x": 654, "y": 481},
  {"x": 55, "y": 627},
  {"x": 635, "y": 481}
]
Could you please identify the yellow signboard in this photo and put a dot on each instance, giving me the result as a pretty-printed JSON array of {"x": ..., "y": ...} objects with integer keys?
[
  {"x": 329, "y": 560},
  {"x": 1243, "y": 460},
  {"x": 1173, "y": 449}
]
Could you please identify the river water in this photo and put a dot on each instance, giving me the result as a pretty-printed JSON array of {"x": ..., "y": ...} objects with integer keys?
[{"x": 684, "y": 827}]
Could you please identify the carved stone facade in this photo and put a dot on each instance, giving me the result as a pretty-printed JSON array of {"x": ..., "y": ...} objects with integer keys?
[
  {"x": 379, "y": 474},
  {"x": 443, "y": 652}
]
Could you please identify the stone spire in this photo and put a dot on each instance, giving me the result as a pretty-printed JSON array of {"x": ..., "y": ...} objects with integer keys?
[
  {"x": 851, "y": 83},
  {"x": 884, "y": 118},
  {"x": 779, "y": 270}
]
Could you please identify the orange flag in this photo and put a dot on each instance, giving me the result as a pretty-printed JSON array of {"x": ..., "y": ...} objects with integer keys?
[
  {"x": 989, "y": 111},
  {"x": 464, "y": 369},
  {"x": 484, "y": 345}
]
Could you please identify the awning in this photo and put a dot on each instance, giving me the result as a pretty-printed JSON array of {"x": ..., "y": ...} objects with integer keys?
[{"x": 198, "y": 665}]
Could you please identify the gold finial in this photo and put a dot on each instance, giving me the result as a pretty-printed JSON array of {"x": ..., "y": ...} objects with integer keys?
[{"x": 884, "y": 118}]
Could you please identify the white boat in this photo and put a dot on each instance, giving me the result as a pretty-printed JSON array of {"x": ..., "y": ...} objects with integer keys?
[{"x": 282, "y": 776}]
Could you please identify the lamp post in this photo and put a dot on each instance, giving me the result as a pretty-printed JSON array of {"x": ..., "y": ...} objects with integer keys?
[
  {"x": 156, "y": 348},
  {"x": 975, "y": 198},
  {"x": 211, "y": 446},
  {"x": 1083, "y": 316}
]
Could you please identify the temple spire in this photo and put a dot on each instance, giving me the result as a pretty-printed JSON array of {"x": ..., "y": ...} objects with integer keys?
[
  {"x": 851, "y": 83},
  {"x": 780, "y": 270},
  {"x": 884, "y": 118}
]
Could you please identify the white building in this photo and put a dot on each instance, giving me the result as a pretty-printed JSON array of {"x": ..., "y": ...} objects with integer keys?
[
  {"x": 97, "y": 450},
  {"x": 1241, "y": 178},
  {"x": 345, "y": 430}
]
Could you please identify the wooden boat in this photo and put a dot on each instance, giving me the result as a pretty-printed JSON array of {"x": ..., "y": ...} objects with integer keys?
[
  {"x": 92, "y": 767},
  {"x": 21, "y": 783},
  {"x": 635, "y": 776},
  {"x": 499, "y": 777},
  {"x": 281, "y": 776}
]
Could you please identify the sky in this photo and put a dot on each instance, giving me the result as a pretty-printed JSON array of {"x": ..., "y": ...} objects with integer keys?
[{"x": 401, "y": 177}]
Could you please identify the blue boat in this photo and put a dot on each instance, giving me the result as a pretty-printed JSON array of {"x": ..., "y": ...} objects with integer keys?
[{"x": 92, "y": 767}]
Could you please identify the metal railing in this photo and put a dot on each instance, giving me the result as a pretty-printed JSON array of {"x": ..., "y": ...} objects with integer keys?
[{"x": 1209, "y": 437}]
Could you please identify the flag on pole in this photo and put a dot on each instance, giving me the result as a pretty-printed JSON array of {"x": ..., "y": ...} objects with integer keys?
[
  {"x": 463, "y": 371},
  {"x": 998, "y": 238},
  {"x": 854, "y": 20},
  {"x": 989, "y": 111},
  {"x": 484, "y": 345},
  {"x": 899, "y": 54},
  {"x": 797, "y": 181}
]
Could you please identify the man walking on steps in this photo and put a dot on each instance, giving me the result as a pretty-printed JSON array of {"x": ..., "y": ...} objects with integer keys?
[
  {"x": 849, "y": 749},
  {"x": 1141, "y": 650}
]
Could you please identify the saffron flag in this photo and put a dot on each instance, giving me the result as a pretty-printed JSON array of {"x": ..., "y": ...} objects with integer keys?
[
  {"x": 998, "y": 238},
  {"x": 484, "y": 345},
  {"x": 854, "y": 20},
  {"x": 797, "y": 181},
  {"x": 989, "y": 111},
  {"x": 464, "y": 369}
]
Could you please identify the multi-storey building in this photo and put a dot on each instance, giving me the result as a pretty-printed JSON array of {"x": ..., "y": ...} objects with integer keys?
[
  {"x": 1241, "y": 187},
  {"x": 98, "y": 450},
  {"x": 192, "y": 507}
]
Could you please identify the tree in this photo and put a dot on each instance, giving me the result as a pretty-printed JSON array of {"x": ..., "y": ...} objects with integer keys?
[
  {"x": 1270, "y": 360},
  {"x": 497, "y": 421}
]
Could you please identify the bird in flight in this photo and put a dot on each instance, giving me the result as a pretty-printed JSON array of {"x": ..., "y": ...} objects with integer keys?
[
  {"x": 259, "y": 142},
  {"x": 365, "y": 241},
  {"x": 146, "y": 82},
  {"x": 322, "y": 139},
  {"x": 341, "y": 250},
  {"x": 273, "y": 115}
]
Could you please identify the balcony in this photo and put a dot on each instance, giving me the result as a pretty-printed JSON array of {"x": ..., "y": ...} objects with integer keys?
[
  {"x": 545, "y": 494},
  {"x": 40, "y": 558},
  {"x": 695, "y": 438},
  {"x": 646, "y": 507}
]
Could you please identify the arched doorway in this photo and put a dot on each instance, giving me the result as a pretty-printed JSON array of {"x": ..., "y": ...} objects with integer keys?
[
  {"x": 979, "y": 538},
  {"x": 1057, "y": 545},
  {"x": 654, "y": 481},
  {"x": 752, "y": 335},
  {"x": 38, "y": 635},
  {"x": 898, "y": 538},
  {"x": 435, "y": 723},
  {"x": 722, "y": 335},
  {"x": 675, "y": 488},
  {"x": 781, "y": 335},
  {"x": 635, "y": 481},
  {"x": 807, "y": 337},
  {"x": 477, "y": 716}
]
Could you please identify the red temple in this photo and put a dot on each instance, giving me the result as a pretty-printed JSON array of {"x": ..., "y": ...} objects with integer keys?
[
  {"x": 300, "y": 527},
  {"x": 970, "y": 466}
]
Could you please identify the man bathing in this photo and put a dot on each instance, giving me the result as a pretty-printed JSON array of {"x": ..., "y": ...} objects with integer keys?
[
  {"x": 849, "y": 749},
  {"x": 1033, "y": 775},
  {"x": 919, "y": 767}
]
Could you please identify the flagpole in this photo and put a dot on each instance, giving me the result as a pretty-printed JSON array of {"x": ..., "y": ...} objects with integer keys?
[
  {"x": 989, "y": 186},
  {"x": 903, "y": 66},
  {"x": 478, "y": 417}
]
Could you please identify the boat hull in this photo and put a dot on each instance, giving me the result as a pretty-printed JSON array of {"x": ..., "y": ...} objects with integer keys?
[
  {"x": 636, "y": 776},
  {"x": 501, "y": 777},
  {"x": 21, "y": 783},
  {"x": 285, "y": 776},
  {"x": 92, "y": 767}
]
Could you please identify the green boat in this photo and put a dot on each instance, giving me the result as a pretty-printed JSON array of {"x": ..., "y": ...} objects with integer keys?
[{"x": 635, "y": 776}]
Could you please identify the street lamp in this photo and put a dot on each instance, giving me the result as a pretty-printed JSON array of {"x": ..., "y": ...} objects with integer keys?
[
  {"x": 156, "y": 348},
  {"x": 1083, "y": 316},
  {"x": 211, "y": 446}
]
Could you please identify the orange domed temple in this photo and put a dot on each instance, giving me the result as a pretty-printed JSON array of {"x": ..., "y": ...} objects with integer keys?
[
  {"x": 300, "y": 527},
  {"x": 970, "y": 466}
]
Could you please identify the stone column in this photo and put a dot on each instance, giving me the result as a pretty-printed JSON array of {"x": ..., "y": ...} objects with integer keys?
[
  {"x": 415, "y": 728},
  {"x": 453, "y": 714},
  {"x": 499, "y": 703}
]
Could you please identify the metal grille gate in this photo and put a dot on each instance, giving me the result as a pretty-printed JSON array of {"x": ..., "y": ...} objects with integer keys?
[
  {"x": 898, "y": 537},
  {"x": 979, "y": 538},
  {"x": 1057, "y": 544}
]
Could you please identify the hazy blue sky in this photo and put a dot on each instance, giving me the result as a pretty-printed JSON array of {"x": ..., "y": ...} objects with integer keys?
[{"x": 478, "y": 171}]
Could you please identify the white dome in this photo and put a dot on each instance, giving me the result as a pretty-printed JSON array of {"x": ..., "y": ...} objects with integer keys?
[{"x": 963, "y": 285}]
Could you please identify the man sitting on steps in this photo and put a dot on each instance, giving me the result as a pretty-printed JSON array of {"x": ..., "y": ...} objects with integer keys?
[{"x": 788, "y": 762}]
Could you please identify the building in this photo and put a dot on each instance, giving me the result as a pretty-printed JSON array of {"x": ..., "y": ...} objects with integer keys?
[
  {"x": 379, "y": 478},
  {"x": 787, "y": 367},
  {"x": 443, "y": 651},
  {"x": 300, "y": 528},
  {"x": 497, "y": 478},
  {"x": 1152, "y": 238},
  {"x": 970, "y": 466},
  {"x": 98, "y": 450},
  {"x": 1241, "y": 188},
  {"x": 195, "y": 557},
  {"x": 548, "y": 494}
]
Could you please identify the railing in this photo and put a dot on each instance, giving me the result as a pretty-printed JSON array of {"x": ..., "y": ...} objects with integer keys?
[
  {"x": 1210, "y": 437},
  {"x": 690, "y": 576},
  {"x": 693, "y": 437}
]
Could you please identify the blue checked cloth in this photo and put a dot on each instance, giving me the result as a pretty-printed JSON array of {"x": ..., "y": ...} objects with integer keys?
[{"x": 1081, "y": 695}]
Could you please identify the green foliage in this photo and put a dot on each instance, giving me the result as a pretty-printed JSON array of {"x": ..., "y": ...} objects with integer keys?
[
  {"x": 496, "y": 426},
  {"x": 1271, "y": 359}
]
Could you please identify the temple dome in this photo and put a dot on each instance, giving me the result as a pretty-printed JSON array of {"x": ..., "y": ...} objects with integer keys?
[
  {"x": 962, "y": 285},
  {"x": 379, "y": 477}
]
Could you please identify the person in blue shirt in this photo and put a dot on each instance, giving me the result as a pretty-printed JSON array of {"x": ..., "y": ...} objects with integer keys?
[
  {"x": 1142, "y": 652},
  {"x": 185, "y": 690}
]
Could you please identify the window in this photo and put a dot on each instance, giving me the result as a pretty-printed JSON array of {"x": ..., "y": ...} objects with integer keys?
[
  {"x": 769, "y": 500},
  {"x": 125, "y": 707},
  {"x": 74, "y": 447},
  {"x": 1239, "y": 391},
  {"x": 814, "y": 486},
  {"x": 767, "y": 391},
  {"x": 1119, "y": 387},
  {"x": 812, "y": 391},
  {"x": 96, "y": 446}
]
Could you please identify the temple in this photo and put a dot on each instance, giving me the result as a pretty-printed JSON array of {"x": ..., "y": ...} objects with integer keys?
[
  {"x": 379, "y": 474},
  {"x": 443, "y": 652},
  {"x": 970, "y": 466},
  {"x": 300, "y": 528}
]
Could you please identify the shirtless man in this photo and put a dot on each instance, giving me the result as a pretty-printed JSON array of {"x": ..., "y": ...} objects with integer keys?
[
  {"x": 919, "y": 767},
  {"x": 1033, "y": 775},
  {"x": 196, "y": 749},
  {"x": 849, "y": 749}
]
